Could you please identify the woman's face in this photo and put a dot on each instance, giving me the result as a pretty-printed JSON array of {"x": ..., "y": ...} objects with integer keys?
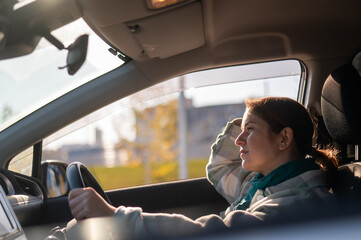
[{"x": 258, "y": 145}]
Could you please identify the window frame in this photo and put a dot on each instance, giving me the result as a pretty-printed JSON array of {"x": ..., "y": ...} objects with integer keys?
[{"x": 37, "y": 148}]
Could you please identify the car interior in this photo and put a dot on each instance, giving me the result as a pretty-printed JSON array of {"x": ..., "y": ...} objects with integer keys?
[{"x": 158, "y": 43}]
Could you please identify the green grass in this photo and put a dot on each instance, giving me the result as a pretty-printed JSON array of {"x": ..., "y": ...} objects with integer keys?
[{"x": 119, "y": 177}]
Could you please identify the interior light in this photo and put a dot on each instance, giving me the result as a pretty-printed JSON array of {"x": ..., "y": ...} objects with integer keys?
[{"x": 157, "y": 4}]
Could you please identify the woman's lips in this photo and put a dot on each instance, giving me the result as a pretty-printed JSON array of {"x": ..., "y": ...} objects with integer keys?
[{"x": 242, "y": 152}]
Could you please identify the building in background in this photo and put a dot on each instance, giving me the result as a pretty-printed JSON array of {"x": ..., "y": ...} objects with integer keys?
[{"x": 203, "y": 126}]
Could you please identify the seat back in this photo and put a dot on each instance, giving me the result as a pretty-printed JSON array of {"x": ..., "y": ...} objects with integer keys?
[{"x": 341, "y": 111}]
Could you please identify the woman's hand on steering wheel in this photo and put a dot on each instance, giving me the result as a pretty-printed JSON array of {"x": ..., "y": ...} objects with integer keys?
[
  {"x": 87, "y": 198},
  {"x": 79, "y": 176},
  {"x": 87, "y": 203}
]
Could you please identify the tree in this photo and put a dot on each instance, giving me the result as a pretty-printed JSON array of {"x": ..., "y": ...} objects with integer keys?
[
  {"x": 6, "y": 113},
  {"x": 156, "y": 131},
  {"x": 156, "y": 136}
]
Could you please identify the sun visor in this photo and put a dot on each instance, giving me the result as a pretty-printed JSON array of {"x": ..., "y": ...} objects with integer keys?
[{"x": 170, "y": 33}]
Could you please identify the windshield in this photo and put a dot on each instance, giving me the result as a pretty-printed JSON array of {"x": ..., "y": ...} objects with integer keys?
[{"x": 40, "y": 80}]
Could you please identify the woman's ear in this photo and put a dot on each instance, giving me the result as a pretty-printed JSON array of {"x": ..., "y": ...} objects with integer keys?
[{"x": 286, "y": 135}]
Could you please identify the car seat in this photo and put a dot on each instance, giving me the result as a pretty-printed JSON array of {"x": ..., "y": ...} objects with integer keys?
[{"x": 341, "y": 111}]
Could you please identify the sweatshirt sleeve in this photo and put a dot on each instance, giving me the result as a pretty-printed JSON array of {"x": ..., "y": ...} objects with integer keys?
[
  {"x": 224, "y": 169},
  {"x": 134, "y": 223}
]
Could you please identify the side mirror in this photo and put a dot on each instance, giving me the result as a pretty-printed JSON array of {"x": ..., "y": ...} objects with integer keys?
[{"x": 54, "y": 178}]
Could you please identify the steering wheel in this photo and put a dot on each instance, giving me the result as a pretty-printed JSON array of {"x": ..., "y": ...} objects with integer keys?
[{"x": 79, "y": 176}]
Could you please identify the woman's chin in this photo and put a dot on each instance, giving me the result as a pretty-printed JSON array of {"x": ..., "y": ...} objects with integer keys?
[
  {"x": 245, "y": 165},
  {"x": 248, "y": 166}
]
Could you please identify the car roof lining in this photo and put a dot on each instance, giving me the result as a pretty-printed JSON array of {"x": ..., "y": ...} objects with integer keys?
[
  {"x": 304, "y": 32},
  {"x": 313, "y": 32}
]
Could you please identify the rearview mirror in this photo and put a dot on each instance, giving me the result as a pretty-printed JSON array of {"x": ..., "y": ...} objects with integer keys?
[
  {"x": 77, "y": 54},
  {"x": 76, "y": 51}
]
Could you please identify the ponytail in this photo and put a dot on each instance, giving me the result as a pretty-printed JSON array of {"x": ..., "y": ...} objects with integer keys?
[{"x": 327, "y": 159}]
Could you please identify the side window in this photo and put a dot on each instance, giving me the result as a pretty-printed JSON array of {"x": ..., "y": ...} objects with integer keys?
[
  {"x": 165, "y": 132},
  {"x": 23, "y": 162}
]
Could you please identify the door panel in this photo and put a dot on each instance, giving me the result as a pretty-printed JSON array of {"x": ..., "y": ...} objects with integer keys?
[{"x": 193, "y": 198}]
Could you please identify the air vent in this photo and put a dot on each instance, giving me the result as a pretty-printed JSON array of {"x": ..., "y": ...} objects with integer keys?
[{"x": 29, "y": 187}]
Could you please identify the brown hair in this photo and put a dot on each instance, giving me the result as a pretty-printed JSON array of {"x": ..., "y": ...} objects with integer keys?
[{"x": 281, "y": 112}]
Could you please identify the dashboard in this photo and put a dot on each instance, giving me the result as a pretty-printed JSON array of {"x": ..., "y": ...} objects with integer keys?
[{"x": 24, "y": 194}]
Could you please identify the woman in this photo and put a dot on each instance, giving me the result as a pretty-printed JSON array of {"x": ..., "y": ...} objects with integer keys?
[
  {"x": 272, "y": 171},
  {"x": 266, "y": 169}
]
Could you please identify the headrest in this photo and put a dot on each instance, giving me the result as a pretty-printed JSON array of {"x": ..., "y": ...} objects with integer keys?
[{"x": 341, "y": 105}]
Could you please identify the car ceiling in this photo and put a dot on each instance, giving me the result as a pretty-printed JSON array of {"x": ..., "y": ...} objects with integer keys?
[
  {"x": 201, "y": 34},
  {"x": 196, "y": 35},
  {"x": 232, "y": 31},
  {"x": 321, "y": 34}
]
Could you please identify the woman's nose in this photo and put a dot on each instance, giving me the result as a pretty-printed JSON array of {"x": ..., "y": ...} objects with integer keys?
[{"x": 239, "y": 140}]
